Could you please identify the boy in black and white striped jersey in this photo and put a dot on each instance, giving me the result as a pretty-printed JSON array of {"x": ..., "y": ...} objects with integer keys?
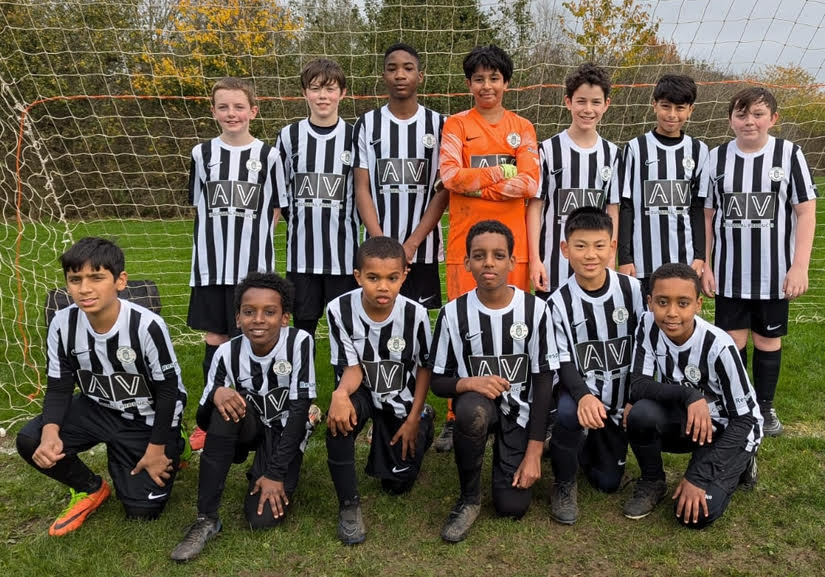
[
  {"x": 494, "y": 353},
  {"x": 689, "y": 393},
  {"x": 760, "y": 217},
  {"x": 314, "y": 182},
  {"x": 381, "y": 339},
  {"x": 595, "y": 314}
]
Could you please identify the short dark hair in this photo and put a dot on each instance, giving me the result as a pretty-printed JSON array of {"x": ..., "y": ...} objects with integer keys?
[
  {"x": 675, "y": 88},
  {"x": 678, "y": 270},
  {"x": 99, "y": 253},
  {"x": 405, "y": 48},
  {"x": 382, "y": 247},
  {"x": 588, "y": 218},
  {"x": 488, "y": 57},
  {"x": 587, "y": 73},
  {"x": 266, "y": 280},
  {"x": 493, "y": 226},
  {"x": 325, "y": 71},
  {"x": 751, "y": 95}
]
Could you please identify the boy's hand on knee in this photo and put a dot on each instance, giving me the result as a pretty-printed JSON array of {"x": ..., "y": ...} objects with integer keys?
[
  {"x": 155, "y": 463},
  {"x": 342, "y": 417},
  {"x": 272, "y": 492},
  {"x": 591, "y": 412},
  {"x": 690, "y": 500},
  {"x": 699, "y": 425},
  {"x": 230, "y": 404},
  {"x": 529, "y": 470},
  {"x": 50, "y": 449},
  {"x": 491, "y": 386},
  {"x": 407, "y": 434}
]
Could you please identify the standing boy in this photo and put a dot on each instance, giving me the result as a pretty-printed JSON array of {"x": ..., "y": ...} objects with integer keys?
[
  {"x": 396, "y": 174},
  {"x": 131, "y": 395},
  {"x": 661, "y": 215},
  {"x": 493, "y": 352},
  {"x": 490, "y": 166},
  {"x": 260, "y": 387},
  {"x": 382, "y": 339},
  {"x": 314, "y": 179},
  {"x": 578, "y": 168},
  {"x": 760, "y": 216},
  {"x": 231, "y": 186},
  {"x": 595, "y": 314},
  {"x": 690, "y": 393}
]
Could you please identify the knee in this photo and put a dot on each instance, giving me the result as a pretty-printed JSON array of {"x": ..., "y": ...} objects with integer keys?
[
  {"x": 643, "y": 416},
  {"x": 266, "y": 520},
  {"x": 26, "y": 446},
  {"x": 143, "y": 513},
  {"x": 471, "y": 415},
  {"x": 511, "y": 503},
  {"x": 606, "y": 482},
  {"x": 567, "y": 414}
]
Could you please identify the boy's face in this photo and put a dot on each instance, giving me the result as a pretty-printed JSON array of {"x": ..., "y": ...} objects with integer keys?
[
  {"x": 323, "y": 101},
  {"x": 261, "y": 317},
  {"x": 751, "y": 125},
  {"x": 587, "y": 106},
  {"x": 488, "y": 87},
  {"x": 401, "y": 75},
  {"x": 94, "y": 291},
  {"x": 674, "y": 303},
  {"x": 489, "y": 260},
  {"x": 670, "y": 117},
  {"x": 381, "y": 280},
  {"x": 233, "y": 112},
  {"x": 589, "y": 253}
]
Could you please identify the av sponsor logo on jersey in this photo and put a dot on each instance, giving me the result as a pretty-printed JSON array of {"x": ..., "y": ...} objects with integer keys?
[
  {"x": 383, "y": 377},
  {"x": 487, "y": 160},
  {"x": 117, "y": 390},
  {"x": 663, "y": 194},
  {"x": 230, "y": 196},
  {"x": 512, "y": 368},
  {"x": 569, "y": 199},
  {"x": 320, "y": 186},
  {"x": 604, "y": 356},
  {"x": 271, "y": 405},
  {"x": 751, "y": 206},
  {"x": 401, "y": 171}
]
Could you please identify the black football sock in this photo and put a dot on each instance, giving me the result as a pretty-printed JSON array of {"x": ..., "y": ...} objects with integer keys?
[{"x": 766, "y": 373}]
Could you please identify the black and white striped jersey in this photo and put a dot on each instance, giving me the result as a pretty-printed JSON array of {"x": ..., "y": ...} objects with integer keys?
[
  {"x": 401, "y": 156},
  {"x": 754, "y": 225},
  {"x": 513, "y": 342},
  {"x": 269, "y": 382},
  {"x": 121, "y": 369},
  {"x": 233, "y": 191},
  {"x": 596, "y": 333},
  {"x": 572, "y": 177},
  {"x": 390, "y": 352},
  {"x": 662, "y": 181},
  {"x": 314, "y": 179},
  {"x": 709, "y": 362}
]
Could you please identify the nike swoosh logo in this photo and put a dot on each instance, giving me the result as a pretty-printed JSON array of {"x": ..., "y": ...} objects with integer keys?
[
  {"x": 151, "y": 496},
  {"x": 717, "y": 178},
  {"x": 557, "y": 171},
  {"x": 579, "y": 323},
  {"x": 622, "y": 462},
  {"x": 469, "y": 138},
  {"x": 468, "y": 336},
  {"x": 374, "y": 142},
  {"x": 649, "y": 162},
  {"x": 396, "y": 470},
  {"x": 422, "y": 300},
  {"x": 773, "y": 327},
  {"x": 213, "y": 164}
]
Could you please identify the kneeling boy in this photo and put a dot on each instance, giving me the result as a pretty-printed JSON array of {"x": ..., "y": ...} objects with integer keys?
[
  {"x": 493, "y": 352},
  {"x": 703, "y": 403},
  {"x": 258, "y": 394},
  {"x": 131, "y": 394},
  {"x": 382, "y": 339},
  {"x": 595, "y": 314}
]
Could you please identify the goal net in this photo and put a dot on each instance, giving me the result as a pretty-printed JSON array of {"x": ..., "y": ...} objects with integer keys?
[{"x": 102, "y": 101}]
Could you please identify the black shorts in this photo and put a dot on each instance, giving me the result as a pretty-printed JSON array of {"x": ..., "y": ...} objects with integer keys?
[
  {"x": 605, "y": 451},
  {"x": 768, "y": 318},
  {"x": 212, "y": 309},
  {"x": 314, "y": 291},
  {"x": 87, "y": 424},
  {"x": 423, "y": 285}
]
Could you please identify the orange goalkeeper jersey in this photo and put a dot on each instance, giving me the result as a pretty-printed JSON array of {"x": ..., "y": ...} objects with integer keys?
[{"x": 471, "y": 151}]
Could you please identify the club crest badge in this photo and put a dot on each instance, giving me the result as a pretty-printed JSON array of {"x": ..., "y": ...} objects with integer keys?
[
  {"x": 282, "y": 368},
  {"x": 519, "y": 331},
  {"x": 346, "y": 157},
  {"x": 428, "y": 140},
  {"x": 620, "y": 315},
  {"x": 776, "y": 174},
  {"x": 396, "y": 344},
  {"x": 514, "y": 139},
  {"x": 253, "y": 165},
  {"x": 126, "y": 355},
  {"x": 606, "y": 172},
  {"x": 688, "y": 164},
  {"x": 693, "y": 374}
]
